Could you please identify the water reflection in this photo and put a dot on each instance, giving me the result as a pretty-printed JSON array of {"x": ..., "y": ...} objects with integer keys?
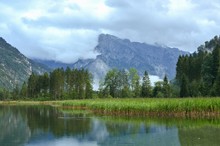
[
  {"x": 42, "y": 125},
  {"x": 14, "y": 130}
]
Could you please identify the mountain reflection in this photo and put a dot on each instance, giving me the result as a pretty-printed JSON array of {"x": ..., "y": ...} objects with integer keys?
[
  {"x": 14, "y": 130},
  {"x": 43, "y": 125}
]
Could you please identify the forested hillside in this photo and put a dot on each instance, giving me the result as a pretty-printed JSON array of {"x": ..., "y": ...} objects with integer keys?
[{"x": 198, "y": 74}]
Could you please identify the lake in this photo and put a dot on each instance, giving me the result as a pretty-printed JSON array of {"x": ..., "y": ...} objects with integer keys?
[{"x": 50, "y": 126}]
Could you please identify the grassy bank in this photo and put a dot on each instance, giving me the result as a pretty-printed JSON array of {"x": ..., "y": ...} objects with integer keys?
[
  {"x": 187, "y": 107},
  {"x": 159, "y": 107}
]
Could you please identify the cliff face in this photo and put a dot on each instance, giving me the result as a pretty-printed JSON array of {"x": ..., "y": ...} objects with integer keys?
[
  {"x": 124, "y": 54},
  {"x": 15, "y": 68}
]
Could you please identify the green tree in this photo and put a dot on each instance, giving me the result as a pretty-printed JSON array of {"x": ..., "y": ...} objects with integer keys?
[
  {"x": 88, "y": 88},
  {"x": 134, "y": 82},
  {"x": 216, "y": 62},
  {"x": 111, "y": 82},
  {"x": 158, "y": 89},
  {"x": 45, "y": 84},
  {"x": 15, "y": 93},
  {"x": 57, "y": 83},
  {"x": 184, "y": 90},
  {"x": 216, "y": 87},
  {"x": 146, "y": 87},
  {"x": 166, "y": 87},
  {"x": 24, "y": 90},
  {"x": 32, "y": 85},
  {"x": 69, "y": 84},
  {"x": 123, "y": 84}
]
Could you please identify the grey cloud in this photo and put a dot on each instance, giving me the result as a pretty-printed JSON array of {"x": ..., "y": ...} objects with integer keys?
[
  {"x": 55, "y": 34},
  {"x": 151, "y": 22}
]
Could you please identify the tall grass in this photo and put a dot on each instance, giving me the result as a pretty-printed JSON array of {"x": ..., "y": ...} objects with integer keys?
[
  {"x": 152, "y": 106},
  {"x": 166, "y": 107}
]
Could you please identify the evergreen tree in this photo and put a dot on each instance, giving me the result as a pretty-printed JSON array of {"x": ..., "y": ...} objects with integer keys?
[
  {"x": 68, "y": 85},
  {"x": 216, "y": 62},
  {"x": 184, "y": 91},
  {"x": 45, "y": 84},
  {"x": 23, "y": 92},
  {"x": 32, "y": 86},
  {"x": 88, "y": 89},
  {"x": 57, "y": 83},
  {"x": 216, "y": 87},
  {"x": 166, "y": 87},
  {"x": 15, "y": 93},
  {"x": 146, "y": 87}
]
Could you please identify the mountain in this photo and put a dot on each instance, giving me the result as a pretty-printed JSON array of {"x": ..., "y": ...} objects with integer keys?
[
  {"x": 57, "y": 64},
  {"x": 124, "y": 54},
  {"x": 15, "y": 68},
  {"x": 53, "y": 64},
  {"x": 119, "y": 53}
]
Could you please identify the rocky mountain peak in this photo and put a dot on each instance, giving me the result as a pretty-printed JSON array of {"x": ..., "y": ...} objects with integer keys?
[{"x": 124, "y": 54}]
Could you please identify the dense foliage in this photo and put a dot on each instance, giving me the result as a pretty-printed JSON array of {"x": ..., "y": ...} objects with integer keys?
[
  {"x": 198, "y": 74},
  {"x": 59, "y": 84},
  {"x": 123, "y": 84}
]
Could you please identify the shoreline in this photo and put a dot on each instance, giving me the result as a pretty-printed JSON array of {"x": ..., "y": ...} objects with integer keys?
[{"x": 143, "y": 107}]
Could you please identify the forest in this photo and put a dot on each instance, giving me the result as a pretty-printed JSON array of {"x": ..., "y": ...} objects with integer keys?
[
  {"x": 58, "y": 84},
  {"x": 126, "y": 84},
  {"x": 198, "y": 74}
]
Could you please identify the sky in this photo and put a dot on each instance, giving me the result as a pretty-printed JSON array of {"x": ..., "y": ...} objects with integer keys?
[{"x": 66, "y": 30}]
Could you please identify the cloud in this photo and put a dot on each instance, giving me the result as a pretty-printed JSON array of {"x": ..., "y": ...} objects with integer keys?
[
  {"x": 174, "y": 23},
  {"x": 68, "y": 30}
]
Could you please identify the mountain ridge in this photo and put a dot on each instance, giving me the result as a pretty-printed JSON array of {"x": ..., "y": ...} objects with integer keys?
[
  {"x": 15, "y": 68},
  {"x": 124, "y": 54},
  {"x": 114, "y": 52}
]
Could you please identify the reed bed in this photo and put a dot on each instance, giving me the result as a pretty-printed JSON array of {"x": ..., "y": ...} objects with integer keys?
[
  {"x": 173, "y": 107},
  {"x": 156, "y": 107}
]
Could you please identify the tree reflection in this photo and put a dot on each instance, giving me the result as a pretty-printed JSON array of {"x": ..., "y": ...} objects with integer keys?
[
  {"x": 14, "y": 131},
  {"x": 51, "y": 120},
  {"x": 45, "y": 125}
]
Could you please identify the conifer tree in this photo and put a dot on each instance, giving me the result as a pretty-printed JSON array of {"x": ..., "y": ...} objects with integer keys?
[
  {"x": 216, "y": 86},
  {"x": 216, "y": 62},
  {"x": 166, "y": 87},
  {"x": 146, "y": 87},
  {"x": 184, "y": 91}
]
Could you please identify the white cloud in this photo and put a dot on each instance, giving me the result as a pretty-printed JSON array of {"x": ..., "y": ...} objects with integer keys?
[{"x": 68, "y": 30}]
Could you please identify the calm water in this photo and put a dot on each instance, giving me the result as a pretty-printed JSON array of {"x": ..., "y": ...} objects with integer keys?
[{"x": 47, "y": 126}]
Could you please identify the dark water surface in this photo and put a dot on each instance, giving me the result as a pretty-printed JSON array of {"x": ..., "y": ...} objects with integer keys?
[{"x": 48, "y": 126}]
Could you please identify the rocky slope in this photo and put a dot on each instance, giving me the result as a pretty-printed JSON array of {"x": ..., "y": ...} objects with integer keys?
[
  {"x": 15, "y": 68},
  {"x": 124, "y": 54}
]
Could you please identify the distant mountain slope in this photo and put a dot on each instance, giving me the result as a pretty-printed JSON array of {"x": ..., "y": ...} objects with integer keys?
[
  {"x": 56, "y": 64},
  {"x": 124, "y": 54},
  {"x": 15, "y": 67}
]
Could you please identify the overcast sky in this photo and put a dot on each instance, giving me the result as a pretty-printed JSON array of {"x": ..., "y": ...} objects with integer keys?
[{"x": 66, "y": 30}]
